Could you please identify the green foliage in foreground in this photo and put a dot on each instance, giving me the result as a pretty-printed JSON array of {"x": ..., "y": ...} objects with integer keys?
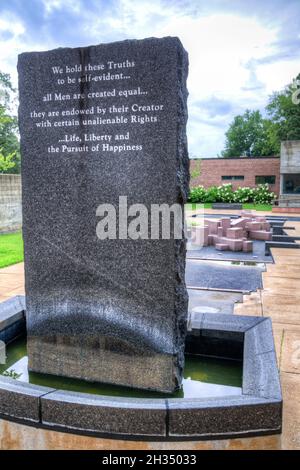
[
  {"x": 11, "y": 249},
  {"x": 11, "y": 374},
  {"x": 10, "y": 159}
]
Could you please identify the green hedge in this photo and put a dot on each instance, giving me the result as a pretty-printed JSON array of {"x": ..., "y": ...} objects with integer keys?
[{"x": 261, "y": 194}]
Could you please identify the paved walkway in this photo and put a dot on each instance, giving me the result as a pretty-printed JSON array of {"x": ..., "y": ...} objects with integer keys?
[
  {"x": 280, "y": 300},
  {"x": 11, "y": 281}
]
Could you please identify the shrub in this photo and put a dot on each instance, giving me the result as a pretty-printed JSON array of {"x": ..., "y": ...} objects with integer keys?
[
  {"x": 197, "y": 194},
  {"x": 243, "y": 195},
  {"x": 261, "y": 194},
  {"x": 211, "y": 194},
  {"x": 225, "y": 193}
]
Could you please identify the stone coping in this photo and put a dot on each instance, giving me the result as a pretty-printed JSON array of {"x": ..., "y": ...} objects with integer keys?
[
  {"x": 257, "y": 411},
  {"x": 227, "y": 205},
  {"x": 12, "y": 318},
  {"x": 279, "y": 244},
  {"x": 11, "y": 310}
]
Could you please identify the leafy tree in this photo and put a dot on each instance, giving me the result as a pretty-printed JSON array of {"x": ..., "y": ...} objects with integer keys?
[
  {"x": 9, "y": 143},
  {"x": 196, "y": 171},
  {"x": 249, "y": 135},
  {"x": 6, "y": 163},
  {"x": 284, "y": 112}
]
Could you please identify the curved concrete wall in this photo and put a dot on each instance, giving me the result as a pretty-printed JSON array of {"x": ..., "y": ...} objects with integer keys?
[{"x": 16, "y": 436}]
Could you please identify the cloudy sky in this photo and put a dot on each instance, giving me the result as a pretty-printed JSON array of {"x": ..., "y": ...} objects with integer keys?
[{"x": 240, "y": 51}]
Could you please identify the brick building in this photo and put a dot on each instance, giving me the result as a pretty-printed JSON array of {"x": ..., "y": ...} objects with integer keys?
[{"x": 239, "y": 171}]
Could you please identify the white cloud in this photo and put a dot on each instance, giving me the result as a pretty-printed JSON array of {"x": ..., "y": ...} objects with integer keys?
[
  {"x": 226, "y": 52},
  {"x": 277, "y": 75}
]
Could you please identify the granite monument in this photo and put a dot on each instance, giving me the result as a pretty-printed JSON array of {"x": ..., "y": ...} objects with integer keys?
[{"x": 104, "y": 126}]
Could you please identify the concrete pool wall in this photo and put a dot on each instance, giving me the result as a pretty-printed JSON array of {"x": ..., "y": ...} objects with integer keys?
[{"x": 38, "y": 417}]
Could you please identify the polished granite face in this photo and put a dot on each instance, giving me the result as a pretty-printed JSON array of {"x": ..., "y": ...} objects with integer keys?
[{"x": 98, "y": 123}]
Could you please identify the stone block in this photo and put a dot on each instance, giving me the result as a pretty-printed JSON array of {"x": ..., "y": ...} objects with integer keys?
[
  {"x": 222, "y": 246},
  {"x": 253, "y": 226},
  {"x": 212, "y": 226},
  {"x": 235, "y": 232},
  {"x": 246, "y": 213},
  {"x": 226, "y": 223},
  {"x": 241, "y": 222},
  {"x": 235, "y": 245},
  {"x": 212, "y": 239},
  {"x": 265, "y": 226},
  {"x": 220, "y": 232},
  {"x": 247, "y": 246},
  {"x": 260, "y": 235},
  {"x": 200, "y": 235},
  {"x": 205, "y": 235}
]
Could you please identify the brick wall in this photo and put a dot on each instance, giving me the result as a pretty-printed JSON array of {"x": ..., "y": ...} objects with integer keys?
[
  {"x": 212, "y": 170},
  {"x": 10, "y": 203}
]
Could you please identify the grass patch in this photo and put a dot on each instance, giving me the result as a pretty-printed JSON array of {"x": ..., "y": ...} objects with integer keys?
[
  {"x": 258, "y": 207},
  {"x": 254, "y": 207},
  {"x": 11, "y": 249}
]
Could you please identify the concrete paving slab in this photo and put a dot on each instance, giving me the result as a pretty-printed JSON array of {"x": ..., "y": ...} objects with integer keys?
[
  {"x": 281, "y": 308},
  {"x": 280, "y": 284},
  {"x": 251, "y": 305},
  {"x": 290, "y": 384},
  {"x": 14, "y": 268},
  {"x": 287, "y": 326},
  {"x": 285, "y": 252},
  {"x": 204, "y": 301},
  {"x": 283, "y": 270},
  {"x": 278, "y": 334},
  {"x": 286, "y": 260},
  {"x": 18, "y": 291},
  {"x": 290, "y": 361},
  {"x": 209, "y": 274}
]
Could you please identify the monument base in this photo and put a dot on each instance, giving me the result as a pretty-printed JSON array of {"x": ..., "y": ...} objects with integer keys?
[{"x": 98, "y": 359}]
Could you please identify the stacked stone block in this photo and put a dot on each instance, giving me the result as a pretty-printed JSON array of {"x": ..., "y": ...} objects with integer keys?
[{"x": 233, "y": 235}]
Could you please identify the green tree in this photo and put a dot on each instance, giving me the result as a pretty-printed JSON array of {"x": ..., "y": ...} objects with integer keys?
[
  {"x": 284, "y": 112},
  {"x": 6, "y": 163},
  {"x": 9, "y": 142},
  {"x": 249, "y": 135},
  {"x": 252, "y": 135},
  {"x": 196, "y": 171}
]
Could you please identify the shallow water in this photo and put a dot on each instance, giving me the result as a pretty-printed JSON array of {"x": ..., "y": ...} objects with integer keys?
[{"x": 203, "y": 377}]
